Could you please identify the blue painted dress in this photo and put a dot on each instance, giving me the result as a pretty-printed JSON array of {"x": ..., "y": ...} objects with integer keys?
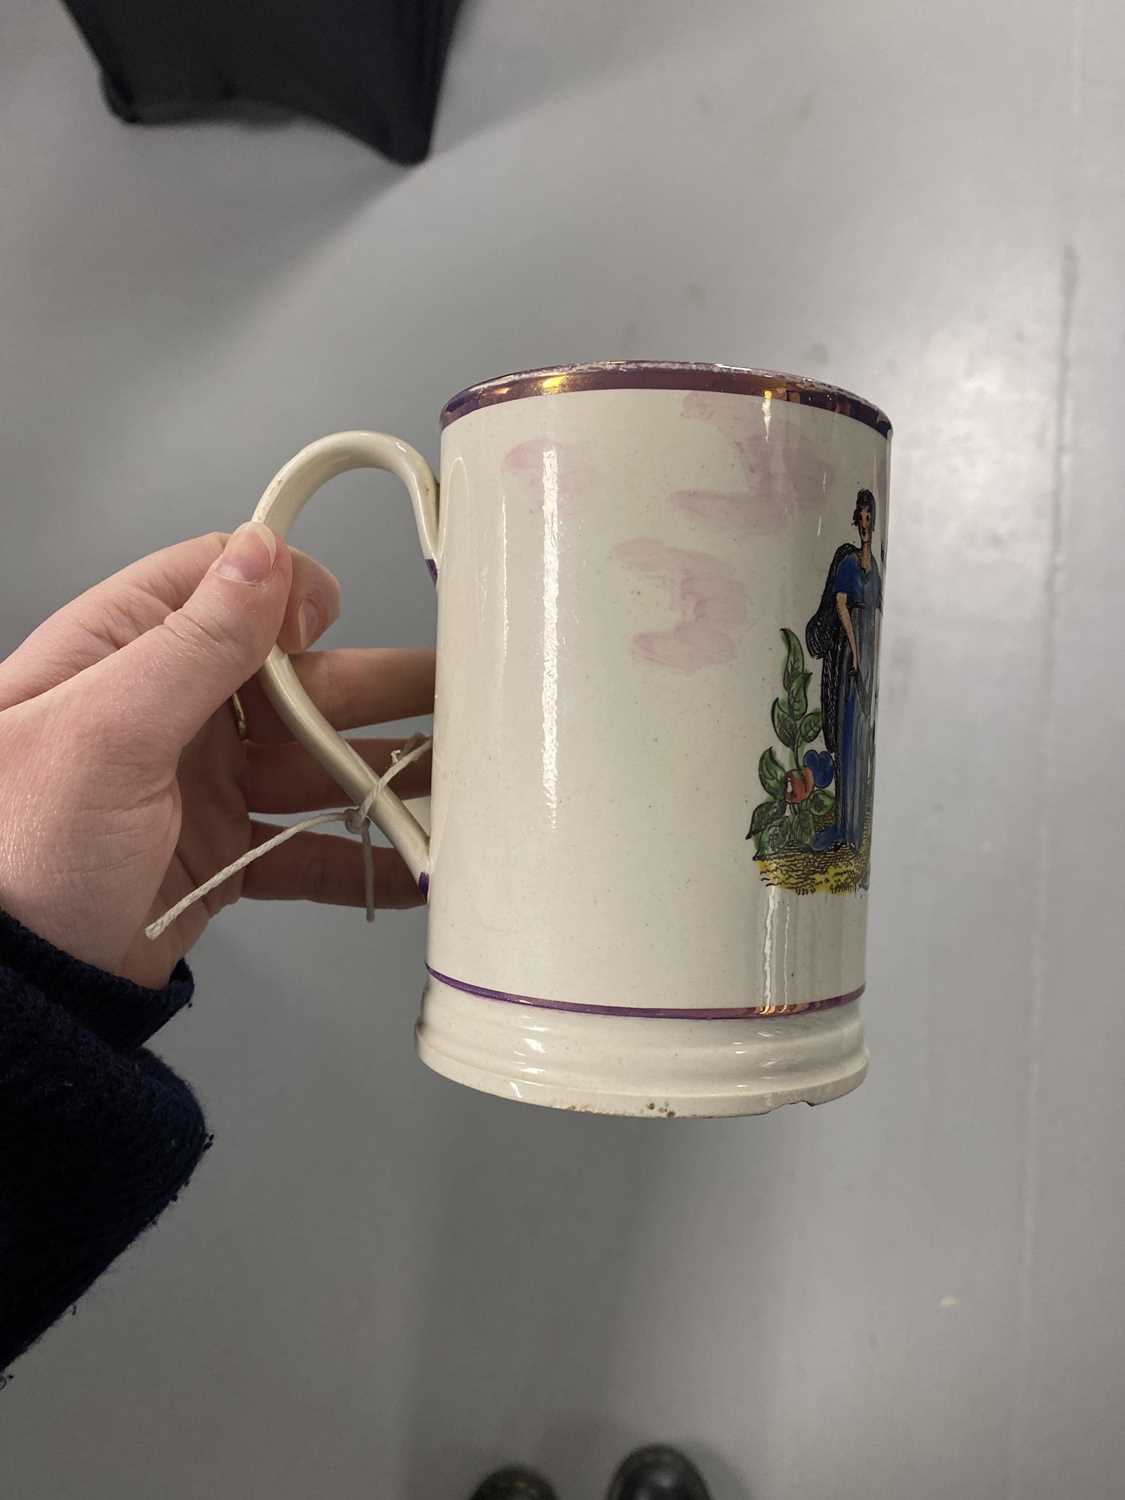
[{"x": 848, "y": 695}]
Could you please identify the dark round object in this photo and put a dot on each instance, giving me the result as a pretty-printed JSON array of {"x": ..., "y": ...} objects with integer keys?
[
  {"x": 514, "y": 1483},
  {"x": 658, "y": 1473}
]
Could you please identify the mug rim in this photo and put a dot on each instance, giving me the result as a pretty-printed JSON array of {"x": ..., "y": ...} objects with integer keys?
[{"x": 663, "y": 375}]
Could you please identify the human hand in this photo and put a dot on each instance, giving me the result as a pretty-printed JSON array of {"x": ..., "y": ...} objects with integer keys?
[{"x": 123, "y": 781}]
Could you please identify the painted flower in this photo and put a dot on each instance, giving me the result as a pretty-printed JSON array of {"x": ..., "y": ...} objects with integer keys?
[
  {"x": 820, "y": 763},
  {"x": 798, "y": 785}
]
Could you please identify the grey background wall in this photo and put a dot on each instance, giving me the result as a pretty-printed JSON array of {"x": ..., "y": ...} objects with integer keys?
[{"x": 380, "y": 1284}]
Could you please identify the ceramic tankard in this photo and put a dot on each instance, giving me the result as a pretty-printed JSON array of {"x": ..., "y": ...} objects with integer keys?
[{"x": 660, "y": 591}]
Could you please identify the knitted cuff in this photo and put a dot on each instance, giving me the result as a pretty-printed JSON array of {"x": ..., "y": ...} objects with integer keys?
[{"x": 122, "y": 1013}]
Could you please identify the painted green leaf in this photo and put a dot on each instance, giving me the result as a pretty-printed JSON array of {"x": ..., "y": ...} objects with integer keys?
[
  {"x": 803, "y": 826},
  {"x": 776, "y": 837},
  {"x": 771, "y": 773},
  {"x": 794, "y": 659},
  {"x": 764, "y": 814},
  {"x": 784, "y": 724},
  {"x": 810, "y": 727},
  {"x": 821, "y": 803},
  {"x": 799, "y": 695}
]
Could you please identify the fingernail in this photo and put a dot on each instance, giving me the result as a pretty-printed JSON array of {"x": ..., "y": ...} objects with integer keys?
[
  {"x": 249, "y": 555},
  {"x": 308, "y": 622}
]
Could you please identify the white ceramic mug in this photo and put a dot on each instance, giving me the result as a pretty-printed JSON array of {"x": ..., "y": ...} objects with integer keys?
[{"x": 659, "y": 600}]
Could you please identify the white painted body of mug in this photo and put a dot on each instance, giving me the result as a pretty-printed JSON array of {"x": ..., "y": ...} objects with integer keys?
[{"x": 659, "y": 600}]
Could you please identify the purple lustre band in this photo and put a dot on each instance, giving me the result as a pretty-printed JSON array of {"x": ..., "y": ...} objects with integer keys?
[
  {"x": 664, "y": 375},
  {"x": 721, "y": 1013}
]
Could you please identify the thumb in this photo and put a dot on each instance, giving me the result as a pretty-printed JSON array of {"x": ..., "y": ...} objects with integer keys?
[{"x": 168, "y": 682}]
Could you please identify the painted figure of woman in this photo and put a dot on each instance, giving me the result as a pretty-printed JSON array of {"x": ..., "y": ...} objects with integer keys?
[{"x": 844, "y": 635}]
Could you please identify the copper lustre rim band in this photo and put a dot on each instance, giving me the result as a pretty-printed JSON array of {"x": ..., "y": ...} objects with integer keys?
[{"x": 661, "y": 375}]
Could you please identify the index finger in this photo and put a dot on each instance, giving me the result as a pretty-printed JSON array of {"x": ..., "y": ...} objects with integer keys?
[
  {"x": 352, "y": 687},
  {"x": 120, "y": 608},
  {"x": 106, "y": 617}
]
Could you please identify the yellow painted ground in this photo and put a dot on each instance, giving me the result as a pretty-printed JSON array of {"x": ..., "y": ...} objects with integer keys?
[{"x": 806, "y": 870}]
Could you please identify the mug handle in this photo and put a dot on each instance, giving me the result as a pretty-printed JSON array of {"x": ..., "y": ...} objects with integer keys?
[{"x": 278, "y": 508}]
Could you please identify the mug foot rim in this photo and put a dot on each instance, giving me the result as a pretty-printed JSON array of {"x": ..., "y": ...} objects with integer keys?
[{"x": 637, "y": 1066}]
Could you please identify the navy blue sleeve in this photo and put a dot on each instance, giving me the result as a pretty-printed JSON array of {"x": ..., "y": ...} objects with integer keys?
[
  {"x": 97, "y": 1136},
  {"x": 849, "y": 578},
  {"x": 120, "y": 1012}
]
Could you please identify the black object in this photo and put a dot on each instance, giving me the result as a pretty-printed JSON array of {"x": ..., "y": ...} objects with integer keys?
[
  {"x": 97, "y": 1136},
  {"x": 370, "y": 67},
  {"x": 514, "y": 1484},
  {"x": 658, "y": 1473}
]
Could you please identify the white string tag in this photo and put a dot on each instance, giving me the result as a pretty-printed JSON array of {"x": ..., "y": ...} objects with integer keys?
[{"x": 355, "y": 819}]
